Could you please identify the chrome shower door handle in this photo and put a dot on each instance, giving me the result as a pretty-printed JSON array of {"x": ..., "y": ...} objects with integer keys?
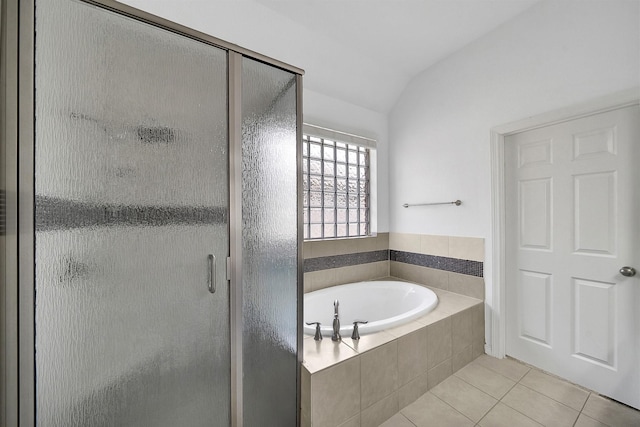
[
  {"x": 628, "y": 271},
  {"x": 211, "y": 282}
]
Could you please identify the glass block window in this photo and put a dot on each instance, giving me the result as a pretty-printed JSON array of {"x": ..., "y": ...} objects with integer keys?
[{"x": 336, "y": 181}]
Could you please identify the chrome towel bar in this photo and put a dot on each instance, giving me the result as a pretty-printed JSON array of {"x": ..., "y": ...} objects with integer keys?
[{"x": 456, "y": 202}]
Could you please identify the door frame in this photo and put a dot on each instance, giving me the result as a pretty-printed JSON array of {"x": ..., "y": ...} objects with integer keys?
[
  {"x": 496, "y": 344},
  {"x": 17, "y": 237}
]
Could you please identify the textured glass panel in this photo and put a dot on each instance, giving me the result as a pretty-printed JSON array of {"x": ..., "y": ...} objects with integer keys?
[
  {"x": 316, "y": 231},
  {"x": 329, "y": 200},
  {"x": 329, "y": 185},
  {"x": 316, "y": 199},
  {"x": 353, "y": 201},
  {"x": 131, "y": 196},
  {"x": 305, "y": 165},
  {"x": 329, "y": 230},
  {"x": 316, "y": 183},
  {"x": 353, "y": 157},
  {"x": 340, "y": 178},
  {"x": 270, "y": 245},
  {"x": 341, "y": 200},
  {"x": 362, "y": 158},
  {"x": 305, "y": 149},
  {"x": 341, "y": 155},
  {"x": 363, "y": 173},
  {"x": 315, "y": 151},
  {"x": 342, "y": 215},
  {"x": 353, "y": 229},
  {"x": 329, "y": 168},
  {"x": 315, "y": 166},
  {"x": 341, "y": 230},
  {"x": 353, "y": 215},
  {"x": 316, "y": 215},
  {"x": 305, "y": 182},
  {"x": 341, "y": 185},
  {"x": 363, "y": 229},
  {"x": 328, "y": 153},
  {"x": 329, "y": 215}
]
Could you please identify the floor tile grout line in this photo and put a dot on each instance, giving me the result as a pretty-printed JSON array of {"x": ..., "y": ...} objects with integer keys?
[
  {"x": 475, "y": 362},
  {"x": 493, "y": 370},
  {"x": 561, "y": 380},
  {"x": 591, "y": 418},
  {"x": 521, "y": 413},
  {"x": 523, "y": 385},
  {"x": 585, "y": 401},
  {"x": 403, "y": 416},
  {"x": 447, "y": 403},
  {"x": 498, "y": 399},
  {"x": 451, "y": 406},
  {"x": 514, "y": 409},
  {"x": 479, "y": 389},
  {"x": 487, "y": 413},
  {"x": 549, "y": 397}
]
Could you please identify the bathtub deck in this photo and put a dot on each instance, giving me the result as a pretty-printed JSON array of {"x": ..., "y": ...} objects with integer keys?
[{"x": 382, "y": 373}]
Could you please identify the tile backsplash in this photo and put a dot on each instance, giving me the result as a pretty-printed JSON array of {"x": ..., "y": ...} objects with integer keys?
[{"x": 447, "y": 262}]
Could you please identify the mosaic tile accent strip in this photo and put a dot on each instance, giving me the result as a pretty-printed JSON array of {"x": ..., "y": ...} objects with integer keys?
[
  {"x": 54, "y": 213},
  {"x": 462, "y": 266},
  {"x": 3, "y": 212},
  {"x": 337, "y": 261}
]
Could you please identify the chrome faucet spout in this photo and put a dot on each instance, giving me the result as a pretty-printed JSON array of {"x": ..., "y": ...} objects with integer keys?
[{"x": 336, "y": 323}]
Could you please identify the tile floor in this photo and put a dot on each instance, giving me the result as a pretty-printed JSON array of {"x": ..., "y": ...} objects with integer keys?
[{"x": 493, "y": 392}]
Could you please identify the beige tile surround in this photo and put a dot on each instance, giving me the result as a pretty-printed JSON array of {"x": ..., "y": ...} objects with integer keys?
[
  {"x": 363, "y": 383},
  {"x": 469, "y": 248},
  {"x": 316, "y": 280}
]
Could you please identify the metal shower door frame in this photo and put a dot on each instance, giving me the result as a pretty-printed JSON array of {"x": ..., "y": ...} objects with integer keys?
[{"x": 17, "y": 299}]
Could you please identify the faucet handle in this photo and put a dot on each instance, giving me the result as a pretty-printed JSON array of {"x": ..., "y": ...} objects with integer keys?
[
  {"x": 318, "y": 336},
  {"x": 356, "y": 335}
]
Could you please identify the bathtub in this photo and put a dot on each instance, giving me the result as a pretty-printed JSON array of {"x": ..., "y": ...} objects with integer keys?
[{"x": 384, "y": 304}]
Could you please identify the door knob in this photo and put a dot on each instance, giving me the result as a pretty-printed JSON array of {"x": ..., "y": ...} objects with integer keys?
[{"x": 628, "y": 271}]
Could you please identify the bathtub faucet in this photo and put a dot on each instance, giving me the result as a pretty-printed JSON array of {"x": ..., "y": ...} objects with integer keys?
[{"x": 336, "y": 323}]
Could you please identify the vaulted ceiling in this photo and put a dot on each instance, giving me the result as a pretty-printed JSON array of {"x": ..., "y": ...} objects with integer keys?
[{"x": 360, "y": 51}]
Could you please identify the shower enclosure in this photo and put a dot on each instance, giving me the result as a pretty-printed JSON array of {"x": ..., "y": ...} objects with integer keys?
[{"x": 158, "y": 224}]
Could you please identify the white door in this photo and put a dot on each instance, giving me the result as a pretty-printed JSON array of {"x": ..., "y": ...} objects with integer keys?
[{"x": 573, "y": 221}]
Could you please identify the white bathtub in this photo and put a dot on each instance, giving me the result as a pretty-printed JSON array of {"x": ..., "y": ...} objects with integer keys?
[{"x": 383, "y": 304}]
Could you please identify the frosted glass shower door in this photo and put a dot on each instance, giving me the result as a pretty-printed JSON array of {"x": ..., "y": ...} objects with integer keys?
[
  {"x": 131, "y": 183},
  {"x": 269, "y": 244}
]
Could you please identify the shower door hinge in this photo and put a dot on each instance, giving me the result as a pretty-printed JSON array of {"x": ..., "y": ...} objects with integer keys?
[{"x": 228, "y": 268}]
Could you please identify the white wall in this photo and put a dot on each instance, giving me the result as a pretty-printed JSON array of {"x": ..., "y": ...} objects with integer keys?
[
  {"x": 252, "y": 26},
  {"x": 556, "y": 54}
]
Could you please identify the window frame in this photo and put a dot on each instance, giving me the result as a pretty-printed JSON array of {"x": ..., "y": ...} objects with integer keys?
[{"x": 355, "y": 218}]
